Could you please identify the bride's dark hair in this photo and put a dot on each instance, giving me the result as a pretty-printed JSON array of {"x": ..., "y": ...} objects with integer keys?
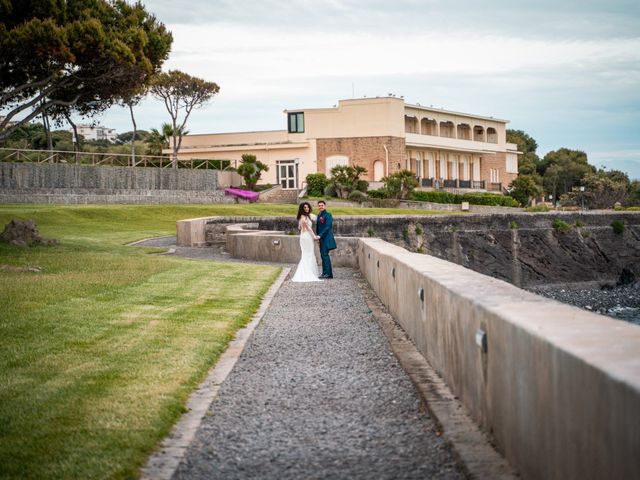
[{"x": 301, "y": 210}]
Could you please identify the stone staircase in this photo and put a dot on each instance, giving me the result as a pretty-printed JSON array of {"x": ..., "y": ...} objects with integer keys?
[{"x": 279, "y": 195}]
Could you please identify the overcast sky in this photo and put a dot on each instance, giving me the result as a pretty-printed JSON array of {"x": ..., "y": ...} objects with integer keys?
[{"x": 565, "y": 72}]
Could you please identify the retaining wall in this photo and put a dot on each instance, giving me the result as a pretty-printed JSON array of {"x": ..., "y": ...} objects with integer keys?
[
  {"x": 557, "y": 387},
  {"x": 522, "y": 248},
  {"x": 64, "y": 183},
  {"x": 243, "y": 241}
]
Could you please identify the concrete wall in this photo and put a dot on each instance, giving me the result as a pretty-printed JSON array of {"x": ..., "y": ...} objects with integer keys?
[
  {"x": 63, "y": 183},
  {"x": 522, "y": 248},
  {"x": 244, "y": 241},
  {"x": 558, "y": 388}
]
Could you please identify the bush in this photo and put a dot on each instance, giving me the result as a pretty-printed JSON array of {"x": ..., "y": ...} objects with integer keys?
[
  {"x": 513, "y": 225},
  {"x": 330, "y": 190},
  {"x": 418, "y": 230},
  {"x": 618, "y": 226},
  {"x": 560, "y": 225},
  {"x": 579, "y": 223},
  {"x": 316, "y": 183},
  {"x": 357, "y": 196},
  {"x": 370, "y": 232},
  {"x": 489, "y": 199},
  {"x": 362, "y": 186},
  {"x": 377, "y": 193}
]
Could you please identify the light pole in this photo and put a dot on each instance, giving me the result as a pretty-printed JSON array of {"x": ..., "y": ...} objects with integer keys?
[{"x": 582, "y": 196}]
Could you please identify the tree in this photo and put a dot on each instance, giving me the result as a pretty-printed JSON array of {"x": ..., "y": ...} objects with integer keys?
[
  {"x": 400, "y": 184},
  {"x": 524, "y": 188},
  {"x": 599, "y": 191},
  {"x": 563, "y": 169},
  {"x": 529, "y": 161},
  {"x": 345, "y": 178},
  {"x": 251, "y": 170},
  {"x": 181, "y": 93},
  {"x": 74, "y": 55},
  {"x": 159, "y": 140}
]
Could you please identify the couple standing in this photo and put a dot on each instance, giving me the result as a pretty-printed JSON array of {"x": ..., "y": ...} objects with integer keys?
[{"x": 307, "y": 267}]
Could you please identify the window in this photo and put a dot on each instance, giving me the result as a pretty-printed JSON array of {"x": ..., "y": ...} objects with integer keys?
[
  {"x": 512, "y": 163},
  {"x": 296, "y": 122}
]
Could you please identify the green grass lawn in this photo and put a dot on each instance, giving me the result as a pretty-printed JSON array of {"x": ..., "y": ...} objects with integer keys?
[{"x": 100, "y": 348}]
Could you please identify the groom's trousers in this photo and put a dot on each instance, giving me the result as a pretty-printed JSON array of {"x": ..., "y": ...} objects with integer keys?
[{"x": 326, "y": 260}]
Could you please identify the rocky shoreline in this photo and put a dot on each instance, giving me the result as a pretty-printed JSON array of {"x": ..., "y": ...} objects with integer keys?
[{"x": 620, "y": 302}]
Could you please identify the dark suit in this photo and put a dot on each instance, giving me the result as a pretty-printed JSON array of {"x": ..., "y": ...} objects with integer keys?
[{"x": 324, "y": 227}]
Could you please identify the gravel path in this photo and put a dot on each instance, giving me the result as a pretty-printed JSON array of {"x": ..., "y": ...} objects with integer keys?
[{"x": 317, "y": 393}]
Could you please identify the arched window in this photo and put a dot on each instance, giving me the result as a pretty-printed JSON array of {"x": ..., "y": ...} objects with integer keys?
[
  {"x": 378, "y": 170},
  {"x": 428, "y": 126},
  {"x": 464, "y": 131},
  {"x": 492, "y": 135},
  {"x": 478, "y": 133},
  {"x": 410, "y": 124},
  {"x": 447, "y": 129}
]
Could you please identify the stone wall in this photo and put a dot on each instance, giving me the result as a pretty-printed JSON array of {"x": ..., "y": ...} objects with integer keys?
[
  {"x": 521, "y": 248},
  {"x": 64, "y": 183}
]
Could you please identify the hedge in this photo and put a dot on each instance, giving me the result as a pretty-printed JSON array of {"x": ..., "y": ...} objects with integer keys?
[{"x": 490, "y": 199}]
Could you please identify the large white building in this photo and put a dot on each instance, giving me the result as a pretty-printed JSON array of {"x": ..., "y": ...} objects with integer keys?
[
  {"x": 445, "y": 149},
  {"x": 96, "y": 132}
]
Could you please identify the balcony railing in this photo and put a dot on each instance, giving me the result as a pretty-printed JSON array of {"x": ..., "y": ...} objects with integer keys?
[
  {"x": 439, "y": 183},
  {"x": 19, "y": 155}
]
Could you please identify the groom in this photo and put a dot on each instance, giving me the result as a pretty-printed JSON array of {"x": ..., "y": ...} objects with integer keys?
[{"x": 324, "y": 231}]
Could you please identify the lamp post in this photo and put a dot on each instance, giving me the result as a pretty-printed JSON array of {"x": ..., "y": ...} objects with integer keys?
[{"x": 582, "y": 196}]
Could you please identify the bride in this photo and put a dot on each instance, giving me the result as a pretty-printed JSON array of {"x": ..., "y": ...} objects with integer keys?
[{"x": 307, "y": 267}]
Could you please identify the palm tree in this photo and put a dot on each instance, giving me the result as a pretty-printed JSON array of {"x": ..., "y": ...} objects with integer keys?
[{"x": 159, "y": 140}]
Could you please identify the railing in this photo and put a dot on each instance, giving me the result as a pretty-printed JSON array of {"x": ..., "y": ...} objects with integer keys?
[
  {"x": 494, "y": 187},
  {"x": 439, "y": 183},
  {"x": 19, "y": 155},
  {"x": 427, "y": 182}
]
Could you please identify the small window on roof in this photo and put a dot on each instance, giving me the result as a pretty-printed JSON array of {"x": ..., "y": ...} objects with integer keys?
[{"x": 296, "y": 122}]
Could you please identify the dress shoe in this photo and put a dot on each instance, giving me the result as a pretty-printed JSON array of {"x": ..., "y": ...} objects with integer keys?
[{"x": 325, "y": 276}]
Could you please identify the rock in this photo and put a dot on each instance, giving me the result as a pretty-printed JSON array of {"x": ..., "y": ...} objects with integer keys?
[
  {"x": 24, "y": 233},
  {"x": 626, "y": 277}
]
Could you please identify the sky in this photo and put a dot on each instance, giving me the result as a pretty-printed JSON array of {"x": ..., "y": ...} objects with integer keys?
[{"x": 565, "y": 72}]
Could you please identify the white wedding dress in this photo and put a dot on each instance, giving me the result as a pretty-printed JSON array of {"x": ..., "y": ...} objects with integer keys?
[{"x": 307, "y": 270}]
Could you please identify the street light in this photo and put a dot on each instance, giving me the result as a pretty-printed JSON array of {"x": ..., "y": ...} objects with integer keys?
[{"x": 582, "y": 195}]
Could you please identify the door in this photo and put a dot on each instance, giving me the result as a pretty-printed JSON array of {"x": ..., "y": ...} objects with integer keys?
[
  {"x": 288, "y": 174},
  {"x": 334, "y": 161}
]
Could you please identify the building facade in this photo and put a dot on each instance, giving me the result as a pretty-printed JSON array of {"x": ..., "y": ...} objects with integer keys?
[
  {"x": 446, "y": 150},
  {"x": 96, "y": 132}
]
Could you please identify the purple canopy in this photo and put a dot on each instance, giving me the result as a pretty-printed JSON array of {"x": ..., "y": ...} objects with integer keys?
[{"x": 246, "y": 194}]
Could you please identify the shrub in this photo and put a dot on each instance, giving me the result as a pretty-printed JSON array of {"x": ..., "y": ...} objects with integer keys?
[
  {"x": 405, "y": 234},
  {"x": 400, "y": 184},
  {"x": 376, "y": 193},
  {"x": 418, "y": 230},
  {"x": 362, "y": 186},
  {"x": 560, "y": 225},
  {"x": 513, "y": 225},
  {"x": 618, "y": 226},
  {"x": 316, "y": 183},
  {"x": 357, "y": 196},
  {"x": 330, "y": 190},
  {"x": 490, "y": 199},
  {"x": 579, "y": 223},
  {"x": 371, "y": 232}
]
